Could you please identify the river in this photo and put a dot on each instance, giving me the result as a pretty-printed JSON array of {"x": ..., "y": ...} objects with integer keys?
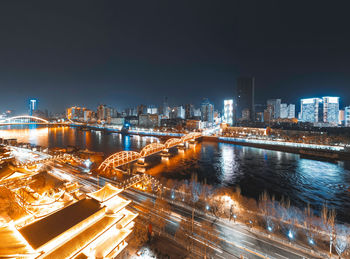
[{"x": 253, "y": 169}]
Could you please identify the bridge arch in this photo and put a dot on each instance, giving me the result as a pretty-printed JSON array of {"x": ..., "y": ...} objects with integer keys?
[
  {"x": 172, "y": 142},
  {"x": 191, "y": 136},
  {"x": 151, "y": 149},
  {"x": 118, "y": 159},
  {"x": 26, "y": 119}
]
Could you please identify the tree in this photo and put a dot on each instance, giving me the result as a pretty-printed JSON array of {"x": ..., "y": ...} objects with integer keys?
[
  {"x": 328, "y": 219},
  {"x": 140, "y": 234},
  {"x": 309, "y": 225}
]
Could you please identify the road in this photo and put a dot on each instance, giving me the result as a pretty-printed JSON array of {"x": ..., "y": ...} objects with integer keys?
[{"x": 236, "y": 239}]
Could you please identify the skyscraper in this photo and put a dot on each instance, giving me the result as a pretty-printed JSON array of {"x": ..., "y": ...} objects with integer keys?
[
  {"x": 310, "y": 109},
  {"x": 276, "y": 107},
  {"x": 207, "y": 111},
  {"x": 245, "y": 97},
  {"x": 228, "y": 111},
  {"x": 291, "y": 111},
  {"x": 287, "y": 111},
  {"x": 331, "y": 110},
  {"x": 33, "y": 106},
  {"x": 347, "y": 116},
  {"x": 189, "y": 111}
]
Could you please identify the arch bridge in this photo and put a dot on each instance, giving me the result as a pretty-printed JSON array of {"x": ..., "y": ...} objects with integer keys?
[
  {"x": 24, "y": 119},
  {"x": 125, "y": 157}
]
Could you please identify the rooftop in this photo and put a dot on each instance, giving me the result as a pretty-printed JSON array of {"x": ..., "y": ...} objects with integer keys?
[{"x": 46, "y": 229}]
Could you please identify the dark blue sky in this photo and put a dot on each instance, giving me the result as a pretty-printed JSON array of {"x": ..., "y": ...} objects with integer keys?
[{"x": 127, "y": 52}]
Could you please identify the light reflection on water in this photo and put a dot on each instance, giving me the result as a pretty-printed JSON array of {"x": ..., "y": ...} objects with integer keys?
[{"x": 254, "y": 170}]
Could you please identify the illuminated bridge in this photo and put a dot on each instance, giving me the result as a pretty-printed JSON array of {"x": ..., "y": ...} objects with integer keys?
[
  {"x": 125, "y": 157},
  {"x": 24, "y": 119}
]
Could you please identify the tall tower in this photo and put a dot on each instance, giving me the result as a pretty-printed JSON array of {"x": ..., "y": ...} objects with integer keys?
[
  {"x": 245, "y": 97},
  {"x": 33, "y": 106}
]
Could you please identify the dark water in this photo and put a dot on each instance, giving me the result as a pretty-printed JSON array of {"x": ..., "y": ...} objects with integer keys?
[{"x": 254, "y": 170}]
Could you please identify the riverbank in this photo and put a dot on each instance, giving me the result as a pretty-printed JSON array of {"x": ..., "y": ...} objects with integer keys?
[{"x": 318, "y": 152}]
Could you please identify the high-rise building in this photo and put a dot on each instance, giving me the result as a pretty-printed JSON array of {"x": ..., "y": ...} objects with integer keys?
[
  {"x": 88, "y": 115},
  {"x": 331, "y": 110},
  {"x": 166, "y": 109},
  {"x": 75, "y": 113},
  {"x": 152, "y": 109},
  {"x": 341, "y": 117},
  {"x": 291, "y": 111},
  {"x": 141, "y": 109},
  {"x": 310, "y": 109},
  {"x": 207, "y": 111},
  {"x": 245, "y": 97},
  {"x": 33, "y": 106},
  {"x": 105, "y": 114},
  {"x": 189, "y": 111},
  {"x": 287, "y": 111},
  {"x": 347, "y": 116},
  {"x": 228, "y": 111},
  {"x": 284, "y": 111},
  {"x": 276, "y": 107},
  {"x": 197, "y": 112}
]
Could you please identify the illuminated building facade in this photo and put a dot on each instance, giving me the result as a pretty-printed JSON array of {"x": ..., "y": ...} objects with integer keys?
[
  {"x": 331, "y": 110},
  {"x": 310, "y": 110},
  {"x": 33, "y": 106},
  {"x": 347, "y": 116},
  {"x": 275, "y": 105},
  {"x": 93, "y": 227},
  {"x": 228, "y": 111},
  {"x": 75, "y": 113},
  {"x": 287, "y": 111}
]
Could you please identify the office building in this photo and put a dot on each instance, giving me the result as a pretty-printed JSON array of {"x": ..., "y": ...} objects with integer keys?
[
  {"x": 75, "y": 113},
  {"x": 284, "y": 111},
  {"x": 33, "y": 106},
  {"x": 152, "y": 110},
  {"x": 331, "y": 110},
  {"x": 207, "y": 111},
  {"x": 228, "y": 111},
  {"x": 276, "y": 107},
  {"x": 189, "y": 111},
  {"x": 141, "y": 109},
  {"x": 245, "y": 97},
  {"x": 347, "y": 116},
  {"x": 197, "y": 112},
  {"x": 341, "y": 117},
  {"x": 310, "y": 109},
  {"x": 291, "y": 111},
  {"x": 287, "y": 111},
  {"x": 89, "y": 115}
]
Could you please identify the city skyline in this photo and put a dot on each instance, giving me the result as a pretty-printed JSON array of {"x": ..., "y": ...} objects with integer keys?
[{"x": 99, "y": 54}]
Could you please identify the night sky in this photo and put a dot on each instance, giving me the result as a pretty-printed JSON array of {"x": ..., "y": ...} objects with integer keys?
[{"x": 127, "y": 52}]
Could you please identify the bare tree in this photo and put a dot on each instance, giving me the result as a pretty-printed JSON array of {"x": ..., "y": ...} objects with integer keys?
[
  {"x": 328, "y": 219},
  {"x": 140, "y": 234}
]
